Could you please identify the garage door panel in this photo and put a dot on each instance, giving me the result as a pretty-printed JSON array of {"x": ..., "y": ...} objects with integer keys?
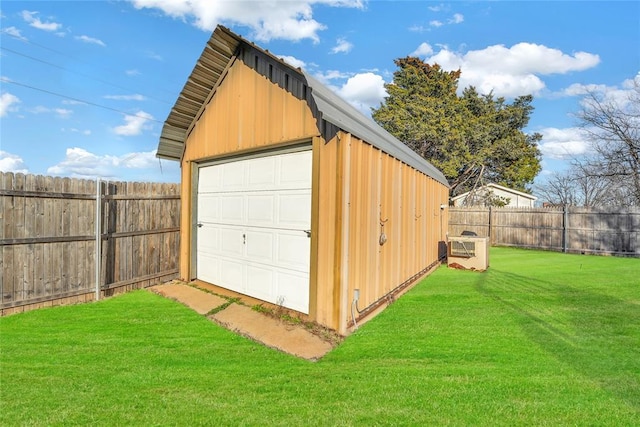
[
  {"x": 232, "y": 209},
  {"x": 209, "y": 241},
  {"x": 232, "y": 274},
  {"x": 262, "y": 173},
  {"x": 260, "y": 282},
  {"x": 295, "y": 170},
  {"x": 293, "y": 251},
  {"x": 209, "y": 267},
  {"x": 293, "y": 291},
  {"x": 208, "y": 208},
  {"x": 209, "y": 179},
  {"x": 261, "y": 210},
  {"x": 232, "y": 242},
  {"x": 260, "y": 246},
  {"x": 294, "y": 210},
  {"x": 233, "y": 176},
  {"x": 253, "y": 220}
]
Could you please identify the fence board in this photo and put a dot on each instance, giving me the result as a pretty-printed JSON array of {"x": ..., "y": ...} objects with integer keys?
[
  {"x": 613, "y": 231},
  {"x": 47, "y": 240}
]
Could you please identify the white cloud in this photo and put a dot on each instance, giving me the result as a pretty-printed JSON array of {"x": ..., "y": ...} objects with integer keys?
[
  {"x": 155, "y": 56},
  {"x": 563, "y": 143},
  {"x": 342, "y": 46},
  {"x": 62, "y": 113},
  {"x": 280, "y": 19},
  {"x": 511, "y": 71},
  {"x": 292, "y": 60},
  {"x": 8, "y": 103},
  {"x": 329, "y": 75},
  {"x": 423, "y": 50},
  {"x": 456, "y": 19},
  {"x": 619, "y": 95},
  {"x": 91, "y": 40},
  {"x": 364, "y": 90},
  {"x": 133, "y": 97},
  {"x": 436, "y": 23},
  {"x": 39, "y": 110},
  {"x": 12, "y": 163},
  {"x": 578, "y": 89},
  {"x": 80, "y": 163},
  {"x": 418, "y": 28},
  {"x": 86, "y": 132},
  {"x": 14, "y": 32},
  {"x": 32, "y": 19},
  {"x": 132, "y": 72},
  {"x": 134, "y": 124}
]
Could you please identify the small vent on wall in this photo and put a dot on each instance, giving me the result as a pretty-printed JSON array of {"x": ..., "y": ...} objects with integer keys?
[{"x": 463, "y": 249}]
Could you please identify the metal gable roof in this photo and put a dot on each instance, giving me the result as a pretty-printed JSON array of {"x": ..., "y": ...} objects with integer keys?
[
  {"x": 216, "y": 56},
  {"x": 337, "y": 111},
  {"x": 219, "y": 53}
]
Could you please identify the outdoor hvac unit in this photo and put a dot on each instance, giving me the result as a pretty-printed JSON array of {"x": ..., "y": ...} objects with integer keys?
[{"x": 468, "y": 252}]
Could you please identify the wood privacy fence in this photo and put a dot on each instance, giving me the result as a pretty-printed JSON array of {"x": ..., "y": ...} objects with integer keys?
[
  {"x": 613, "y": 231},
  {"x": 48, "y": 238}
]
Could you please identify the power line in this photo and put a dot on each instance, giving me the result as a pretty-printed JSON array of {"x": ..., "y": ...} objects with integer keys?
[
  {"x": 24, "y": 40},
  {"x": 77, "y": 100},
  {"x": 78, "y": 73}
]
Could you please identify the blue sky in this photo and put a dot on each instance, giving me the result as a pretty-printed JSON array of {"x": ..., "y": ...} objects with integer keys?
[{"x": 86, "y": 85}]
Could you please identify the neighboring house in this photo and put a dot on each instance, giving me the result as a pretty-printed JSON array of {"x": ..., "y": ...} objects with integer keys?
[
  {"x": 483, "y": 196},
  {"x": 293, "y": 197}
]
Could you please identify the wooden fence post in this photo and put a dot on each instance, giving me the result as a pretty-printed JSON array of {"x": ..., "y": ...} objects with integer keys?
[
  {"x": 98, "y": 258},
  {"x": 565, "y": 223},
  {"x": 490, "y": 228}
]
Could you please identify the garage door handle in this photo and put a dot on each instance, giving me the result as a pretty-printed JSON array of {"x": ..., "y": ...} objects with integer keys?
[
  {"x": 308, "y": 233},
  {"x": 200, "y": 225}
]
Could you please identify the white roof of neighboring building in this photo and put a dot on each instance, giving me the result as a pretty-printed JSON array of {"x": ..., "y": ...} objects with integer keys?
[{"x": 497, "y": 187}]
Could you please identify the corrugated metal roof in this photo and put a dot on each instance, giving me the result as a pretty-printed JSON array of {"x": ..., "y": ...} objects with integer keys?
[
  {"x": 337, "y": 111},
  {"x": 217, "y": 55}
]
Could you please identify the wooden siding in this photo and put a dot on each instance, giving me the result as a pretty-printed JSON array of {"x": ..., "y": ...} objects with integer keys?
[{"x": 364, "y": 192}]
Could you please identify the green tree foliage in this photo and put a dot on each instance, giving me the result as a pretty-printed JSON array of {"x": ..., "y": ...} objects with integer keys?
[{"x": 471, "y": 138}]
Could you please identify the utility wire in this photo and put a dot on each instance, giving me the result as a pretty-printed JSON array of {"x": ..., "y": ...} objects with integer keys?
[
  {"x": 78, "y": 73},
  {"x": 77, "y": 100},
  {"x": 24, "y": 40}
]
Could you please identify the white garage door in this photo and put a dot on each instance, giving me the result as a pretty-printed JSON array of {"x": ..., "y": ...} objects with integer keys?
[{"x": 254, "y": 217}]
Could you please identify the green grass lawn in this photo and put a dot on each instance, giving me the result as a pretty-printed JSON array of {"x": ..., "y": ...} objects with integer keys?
[{"x": 542, "y": 338}]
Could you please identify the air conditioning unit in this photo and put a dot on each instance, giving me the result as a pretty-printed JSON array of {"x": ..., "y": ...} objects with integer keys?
[{"x": 468, "y": 252}]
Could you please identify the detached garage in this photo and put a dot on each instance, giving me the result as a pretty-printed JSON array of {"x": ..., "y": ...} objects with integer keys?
[{"x": 293, "y": 197}]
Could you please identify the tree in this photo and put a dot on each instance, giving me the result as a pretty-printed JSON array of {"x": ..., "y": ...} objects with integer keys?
[
  {"x": 576, "y": 187},
  {"x": 613, "y": 127},
  {"x": 472, "y": 138}
]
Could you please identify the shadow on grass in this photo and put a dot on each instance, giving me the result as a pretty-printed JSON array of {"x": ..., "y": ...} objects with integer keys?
[{"x": 597, "y": 335}]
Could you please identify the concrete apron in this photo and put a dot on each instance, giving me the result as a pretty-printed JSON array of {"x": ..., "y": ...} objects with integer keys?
[{"x": 274, "y": 333}]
